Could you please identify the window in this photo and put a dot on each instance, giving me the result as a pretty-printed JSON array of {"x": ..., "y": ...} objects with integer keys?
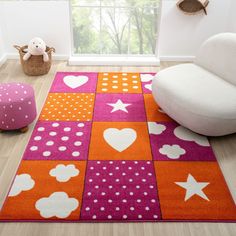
[{"x": 114, "y": 27}]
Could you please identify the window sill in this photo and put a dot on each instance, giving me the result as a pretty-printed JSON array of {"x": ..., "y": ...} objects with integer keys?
[{"x": 114, "y": 61}]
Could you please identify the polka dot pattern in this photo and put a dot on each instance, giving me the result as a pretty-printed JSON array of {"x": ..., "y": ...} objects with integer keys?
[
  {"x": 129, "y": 192},
  {"x": 119, "y": 83},
  {"x": 68, "y": 107},
  {"x": 59, "y": 141},
  {"x": 17, "y": 105}
]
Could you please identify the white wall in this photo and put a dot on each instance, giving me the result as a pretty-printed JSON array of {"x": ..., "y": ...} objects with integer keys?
[
  {"x": 2, "y": 47},
  {"x": 181, "y": 34},
  {"x": 232, "y": 17},
  {"x": 49, "y": 20},
  {"x": 2, "y": 44}
]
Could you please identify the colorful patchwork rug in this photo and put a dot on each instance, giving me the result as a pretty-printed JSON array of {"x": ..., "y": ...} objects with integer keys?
[{"x": 103, "y": 150}]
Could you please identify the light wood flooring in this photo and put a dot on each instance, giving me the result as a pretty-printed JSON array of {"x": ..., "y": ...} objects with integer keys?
[{"x": 12, "y": 146}]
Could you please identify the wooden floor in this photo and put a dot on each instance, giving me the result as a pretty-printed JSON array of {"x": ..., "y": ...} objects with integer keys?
[{"x": 12, "y": 146}]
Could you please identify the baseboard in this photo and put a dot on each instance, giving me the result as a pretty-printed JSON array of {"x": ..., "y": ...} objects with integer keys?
[
  {"x": 3, "y": 59},
  {"x": 177, "y": 58},
  {"x": 114, "y": 61},
  {"x": 57, "y": 57},
  {"x": 60, "y": 57},
  {"x": 106, "y": 61}
]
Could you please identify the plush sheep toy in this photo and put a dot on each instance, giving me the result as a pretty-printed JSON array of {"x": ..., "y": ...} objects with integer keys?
[{"x": 36, "y": 47}]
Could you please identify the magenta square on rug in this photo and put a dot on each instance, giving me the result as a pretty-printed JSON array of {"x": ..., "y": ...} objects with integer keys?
[
  {"x": 74, "y": 82},
  {"x": 120, "y": 190},
  {"x": 119, "y": 107},
  {"x": 146, "y": 80},
  {"x": 59, "y": 141},
  {"x": 171, "y": 141}
]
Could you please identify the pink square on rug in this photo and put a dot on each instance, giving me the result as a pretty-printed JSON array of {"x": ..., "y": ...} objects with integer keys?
[
  {"x": 59, "y": 141},
  {"x": 120, "y": 190},
  {"x": 73, "y": 82},
  {"x": 171, "y": 141},
  {"x": 146, "y": 80},
  {"x": 119, "y": 107}
]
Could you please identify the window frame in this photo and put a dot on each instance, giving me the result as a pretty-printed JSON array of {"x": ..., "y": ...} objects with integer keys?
[{"x": 113, "y": 59}]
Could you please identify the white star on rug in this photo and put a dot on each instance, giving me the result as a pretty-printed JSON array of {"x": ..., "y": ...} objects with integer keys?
[
  {"x": 193, "y": 187},
  {"x": 119, "y": 106}
]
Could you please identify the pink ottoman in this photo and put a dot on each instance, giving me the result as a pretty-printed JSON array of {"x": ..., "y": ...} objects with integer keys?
[{"x": 17, "y": 106}]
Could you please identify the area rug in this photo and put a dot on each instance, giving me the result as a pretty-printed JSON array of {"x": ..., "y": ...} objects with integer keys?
[{"x": 103, "y": 151}]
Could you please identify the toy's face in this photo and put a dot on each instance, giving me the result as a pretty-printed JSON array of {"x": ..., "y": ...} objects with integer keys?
[{"x": 37, "y": 46}]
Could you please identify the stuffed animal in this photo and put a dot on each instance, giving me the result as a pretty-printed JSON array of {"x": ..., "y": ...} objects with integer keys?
[{"x": 36, "y": 47}]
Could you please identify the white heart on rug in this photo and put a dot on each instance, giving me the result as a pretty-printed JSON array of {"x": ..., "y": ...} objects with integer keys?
[
  {"x": 146, "y": 77},
  {"x": 73, "y": 81},
  {"x": 148, "y": 86},
  {"x": 120, "y": 139}
]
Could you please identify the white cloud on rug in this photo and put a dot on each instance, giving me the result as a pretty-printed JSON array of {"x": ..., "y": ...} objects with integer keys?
[
  {"x": 21, "y": 183},
  {"x": 172, "y": 151},
  {"x": 64, "y": 173},
  {"x": 148, "y": 86},
  {"x": 155, "y": 128},
  {"x": 187, "y": 135},
  {"x": 58, "y": 204}
]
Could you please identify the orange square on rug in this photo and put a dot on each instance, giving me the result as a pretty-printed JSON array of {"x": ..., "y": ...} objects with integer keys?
[
  {"x": 119, "y": 83},
  {"x": 68, "y": 107},
  {"x": 153, "y": 111},
  {"x": 45, "y": 185},
  {"x": 193, "y": 190},
  {"x": 120, "y": 141}
]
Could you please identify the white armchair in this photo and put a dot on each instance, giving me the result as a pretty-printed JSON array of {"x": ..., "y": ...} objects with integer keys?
[{"x": 202, "y": 95}]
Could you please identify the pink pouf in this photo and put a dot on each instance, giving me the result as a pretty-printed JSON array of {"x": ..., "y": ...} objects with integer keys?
[{"x": 17, "y": 106}]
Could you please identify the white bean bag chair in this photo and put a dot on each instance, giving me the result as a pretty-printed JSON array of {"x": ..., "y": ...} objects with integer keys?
[{"x": 202, "y": 95}]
